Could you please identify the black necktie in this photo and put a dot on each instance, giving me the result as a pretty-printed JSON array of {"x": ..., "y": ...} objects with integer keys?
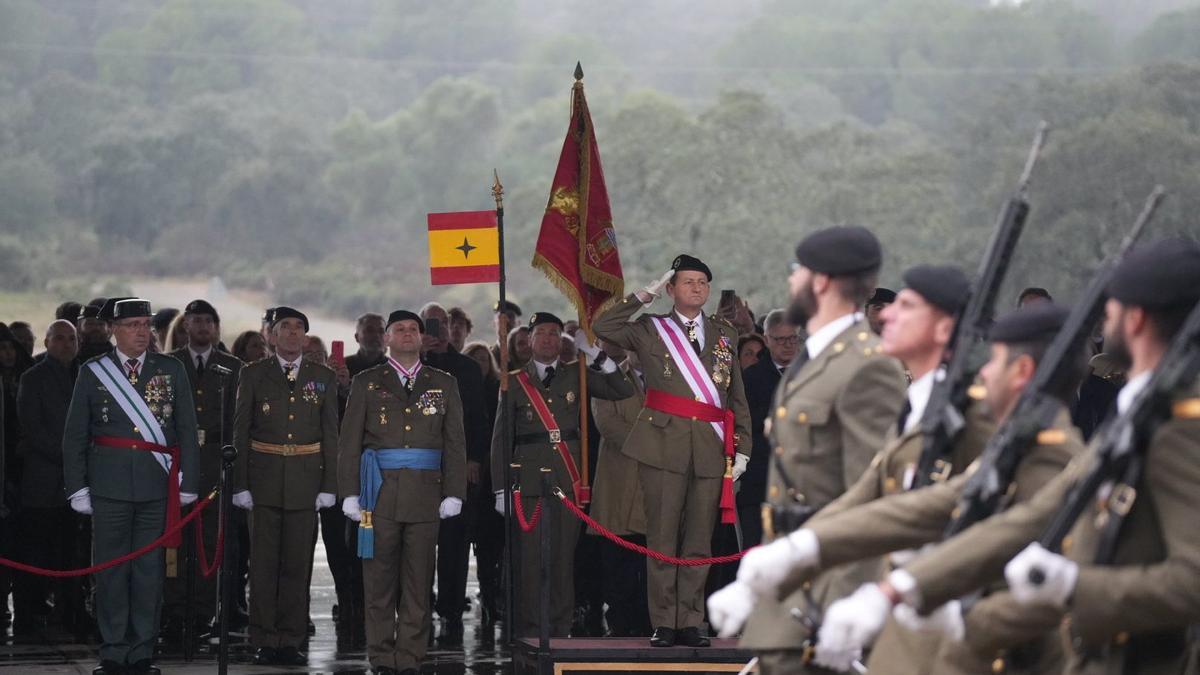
[
  {"x": 199, "y": 364},
  {"x": 904, "y": 412},
  {"x": 548, "y": 376}
]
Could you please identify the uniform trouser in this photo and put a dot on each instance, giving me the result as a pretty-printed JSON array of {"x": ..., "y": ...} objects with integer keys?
[
  {"x": 50, "y": 535},
  {"x": 453, "y": 551},
  {"x": 281, "y": 549},
  {"x": 681, "y": 510},
  {"x": 128, "y": 596},
  {"x": 564, "y": 535},
  {"x": 397, "y": 582},
  {"x": 204, "y": 596},
  {"x": 487, "y": 531},
  {"x": 333, "y": 536},
  {"x": 625, "y": 588}
]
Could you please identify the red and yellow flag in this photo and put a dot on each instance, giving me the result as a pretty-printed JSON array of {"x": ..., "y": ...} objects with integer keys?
[
  {"x": 577, "y": 246},
  {"x": 464, "y": 248}
]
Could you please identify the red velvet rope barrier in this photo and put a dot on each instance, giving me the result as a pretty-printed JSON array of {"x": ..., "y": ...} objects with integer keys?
[
  {"x": 167, "y": 534},
  {"x": 526, "y": 525},
  {"x": 218, "y": 554},
  {"x": 629, "y": 545}
]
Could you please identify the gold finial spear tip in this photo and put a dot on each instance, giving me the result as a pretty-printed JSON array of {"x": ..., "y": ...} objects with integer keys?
[
  {"x": 578, "y": 71},
  {"x": 497, "y": 188}
]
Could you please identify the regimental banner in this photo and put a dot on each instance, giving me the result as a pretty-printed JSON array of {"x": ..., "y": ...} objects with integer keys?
[{"x": 464, "y": 248}]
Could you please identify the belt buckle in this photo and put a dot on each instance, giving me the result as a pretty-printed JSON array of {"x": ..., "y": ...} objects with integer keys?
[
  {"x": 556, "y": 436},
  {"x": 289, "y": 449},
  {"x": 1121, "y": 500}
]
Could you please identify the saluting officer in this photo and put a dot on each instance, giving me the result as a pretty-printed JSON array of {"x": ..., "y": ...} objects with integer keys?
[
  {"x": 403, "y": 468},
  {"x": 129, "y": 438},
  {"x": 285, "y": 432}
]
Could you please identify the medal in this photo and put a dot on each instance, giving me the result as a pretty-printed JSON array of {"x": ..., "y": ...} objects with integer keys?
[
  {"x": 266, "y": 408},
  {"x": 430, "y": 411},
  {"x": 570, "y": 397},
  {"x": 200, "y": 436},
  {"x": 104, "y": 414},
  {"x": 383, "y": 416},
  {"x": 166, "y": 410}
]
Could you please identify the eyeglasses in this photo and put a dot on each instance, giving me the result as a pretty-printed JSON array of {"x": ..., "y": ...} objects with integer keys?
[{"x": 786, "y": 339}]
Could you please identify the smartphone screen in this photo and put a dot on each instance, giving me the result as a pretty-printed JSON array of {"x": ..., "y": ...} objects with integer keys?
[
  {"x": 337, "y": 351},
  {"x": 433, "y": 326}
]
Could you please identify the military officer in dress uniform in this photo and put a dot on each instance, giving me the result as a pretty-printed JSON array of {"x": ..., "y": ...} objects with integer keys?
[
  {"x": 1131, "y": 613},
  {"x": 833, "y": 412},
  {"x": 129, "y": 460},
  {"x": 212, "y": 375},
  {"x": 684, "y": 440},
  {"x": 285, "y": 431},
  {"x": 543, "y": 404},
  {"x": 402, "y": 467}
]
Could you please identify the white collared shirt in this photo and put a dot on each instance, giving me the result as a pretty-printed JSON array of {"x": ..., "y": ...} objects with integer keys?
[
  {"x": 1131, "y": 390},
  {"x": 284, "y": 364},
  {"x": 541, "y": 368},
  {"x": 824, "y": 336},
  {"x": 124, "y": 359},
  {"x": 206, "y": 354},
  {"x": 918, "y": 399},
  {"x": 699, "y": 321}
]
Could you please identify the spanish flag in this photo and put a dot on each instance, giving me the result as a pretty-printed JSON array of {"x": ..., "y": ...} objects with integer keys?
[{"x": 464, "y": 248}]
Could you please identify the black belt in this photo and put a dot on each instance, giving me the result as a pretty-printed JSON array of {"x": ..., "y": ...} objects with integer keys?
[{"x": 544, "y": 437}]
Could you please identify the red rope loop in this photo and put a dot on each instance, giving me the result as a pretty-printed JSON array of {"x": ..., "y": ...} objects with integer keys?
[
  {"x": 629, "y": 545},
  {"x": 207, "y": 569},
  {"x": 167, "y": 534},
  {"x": 526, "y": 525}
]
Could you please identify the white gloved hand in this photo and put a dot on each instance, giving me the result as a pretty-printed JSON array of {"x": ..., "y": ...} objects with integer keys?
[
  {"x": 729, "y": 608},
  {"x": 325, "y": 500},
  {"x": 850, "y": 625},
  {"x": 186, "y": 498},
  {"x": 242, "y": 500},
  {"x": 82, "y": 502},
  {"x": 1060, "y": 577},
  {"x": 765, "y": 567},
  {"x": 654, "y": 289},
  {"x": 739, "y": 465},
  {"x": 500, "y": 502},
  {"x": 946, "y": 619},
  {"x": 351, "y": 508},
  {"x": 585, "y": 346},
  {"x": 841, "y": 661},
  {"x": 450, "y": 507}
]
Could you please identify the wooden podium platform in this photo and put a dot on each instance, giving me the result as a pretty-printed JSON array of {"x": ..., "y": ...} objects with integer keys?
[{"x": 581, "y": 656}]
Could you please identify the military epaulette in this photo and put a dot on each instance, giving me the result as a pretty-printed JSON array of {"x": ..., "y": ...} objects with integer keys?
[
  {"x": 435, "y": 371},
  {"x": 721, "y": 320},
  {"x": 1051, "y": 437},
  {"x": 1186, "y": 409}
]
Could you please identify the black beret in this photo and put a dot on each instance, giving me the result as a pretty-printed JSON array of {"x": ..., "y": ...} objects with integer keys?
[
  {"x": 840, "y": 250},
  {"x": 943, "y": 286},
  {"x": 202, "y": 307},
  {"x": 269, "y": 315},
  {"x": 509, "y": 306},
  {"x": 163, "y": 318},
  {"x": 882, "y": 296},
  {"x": 1040, "y": 321},
  {"x": 107, "y": 309},
  {"x": 404, "y": 315},
  {"x": 544, "y": 317},
  {"x": 1163, "y": 274},
  {"x": 686, "y": 263},
  {"x": 131, "y": 308},
  {"x": 281, "y": 313},
  {"x": 89, "y": 312}
]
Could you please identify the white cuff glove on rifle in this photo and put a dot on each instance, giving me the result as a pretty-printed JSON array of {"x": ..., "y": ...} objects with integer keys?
[{"x": 765, "y": 567}]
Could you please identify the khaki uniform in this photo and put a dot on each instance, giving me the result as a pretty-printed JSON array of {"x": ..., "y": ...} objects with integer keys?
[
  {"x": 533, "y": 450},
  {"x": 1126, "y": 617},
  {"x": 681, "y": 462},
  {"x": 382, "y": 414},
  {"x": 831, "y": 417},
  {"x": 617, "y": 500},
  {"x": 290, "y": 417}
]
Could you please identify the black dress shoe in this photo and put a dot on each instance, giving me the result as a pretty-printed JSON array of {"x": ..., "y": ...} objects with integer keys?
[
  {"x": 265, "y": 656},
  {"x": 107, "y": 667},
  {"x": 691, "y": 637},
  {"x": 452, "y": 634},
  {"x": 663, "y": 637},
  {"x": 143, "y": 667},
  {"x": 290, "y": 656}
]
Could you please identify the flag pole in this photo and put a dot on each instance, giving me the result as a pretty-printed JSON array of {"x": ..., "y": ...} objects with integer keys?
[
  {"x": 510, "y": 608},
  {"x": 585, "y": 496}
]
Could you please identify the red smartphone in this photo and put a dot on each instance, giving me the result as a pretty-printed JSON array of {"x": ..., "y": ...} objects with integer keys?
[{"x": 338, "y": 351}]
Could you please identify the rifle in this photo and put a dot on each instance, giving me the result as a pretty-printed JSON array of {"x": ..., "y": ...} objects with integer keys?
[
  {"x": 1037, "y": 407},
  {"x": 944, "y": 416}
]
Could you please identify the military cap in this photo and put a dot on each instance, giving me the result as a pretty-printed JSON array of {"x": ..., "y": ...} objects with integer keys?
[
  {"x": 686, "y": 263},
  {"x": 405, "y": 315},
  {"x": 1163, "y": 274},
  {"x": 943, "y": 286},
  {"x": 162, "y": 318},
  {"x": 88, "y": 312},
  {"x": 107, "y": 309},
  {"x": 131, "y": 308},
  {"x": 539, "y": 318},
  {"x": 281, "y": 313},
  {"x": 840, "y": 250},
  {"x": 509, "y": 306},
  {"x": 882, "y": 296},
  {"x": 269, "y": 315},
  {"x": 202, "y": 307},
  {"x": 1037, "y": 322}
]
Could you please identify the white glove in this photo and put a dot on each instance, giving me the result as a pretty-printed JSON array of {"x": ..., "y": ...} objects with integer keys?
[
  {"x": 851, "y": 624},
  {"x": 654, "y": 289},
  {"x": 765, "y": 567},
  {"x": 946, "y": 619},
  {"x": 186, "y": 498},
  {"x": 450, "y": 507},
  {"x": 585, "y": 346},
  {"x": 325, "y": 500},
  {"x": 351, "y": 508},
  {"x": 242, "y": 500},
  {"x": 82, "y": 502},
  {"x": 500, "y": 502},
  {"x": 739, "y": 465},
  {"x": 1058, "y": 585},
  {"x": 841, "y": 661},
  {"x": 729, "y": 608}
]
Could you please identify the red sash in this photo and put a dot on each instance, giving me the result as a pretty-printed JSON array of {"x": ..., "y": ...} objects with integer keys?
[
  {"x": 661, "y": 401},
  {"x": 172, "y": 477},
  {"x": 583, "y": 493}
]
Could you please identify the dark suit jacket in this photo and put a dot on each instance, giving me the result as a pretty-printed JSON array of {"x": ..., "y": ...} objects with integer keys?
[
  {"x": 760, "y": 381},
  {"x": 474, "y": 405},
  {"x": 206, "y": 394},
  {"x": 42, "y": 402}
]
